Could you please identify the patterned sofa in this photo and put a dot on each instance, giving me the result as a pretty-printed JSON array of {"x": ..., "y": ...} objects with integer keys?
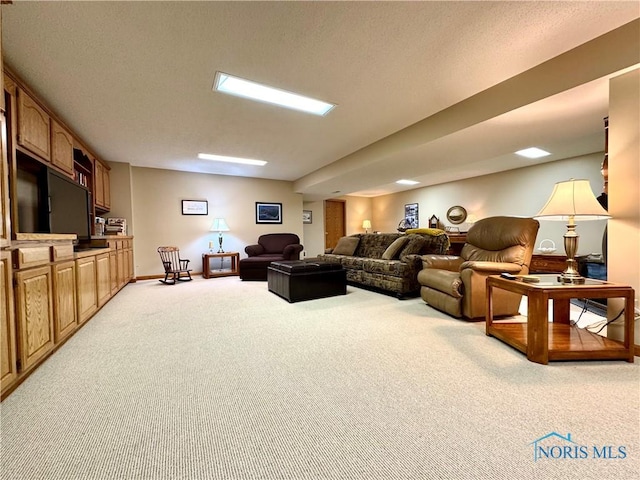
[{"x": 387, "y": 262}]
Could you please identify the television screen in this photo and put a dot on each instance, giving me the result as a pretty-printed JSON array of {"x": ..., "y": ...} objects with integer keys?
[{"x": 68, "y": 207}]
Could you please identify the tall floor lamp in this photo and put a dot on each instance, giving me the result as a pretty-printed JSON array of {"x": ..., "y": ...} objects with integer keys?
[
  {"x": 570, "y": 201},
  {"x": 219, "y": 225}
]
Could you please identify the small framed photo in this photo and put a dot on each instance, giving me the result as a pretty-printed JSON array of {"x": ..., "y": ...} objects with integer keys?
[
  {"x": 307, "y": 216},
  {"x": 411, "y": 215},
  {"x": 195, "y": 207},
  {"x": 268, "y": 212}
]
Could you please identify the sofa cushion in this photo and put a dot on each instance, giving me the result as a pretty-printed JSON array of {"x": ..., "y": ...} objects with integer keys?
[
  {"x": 393, "y": 268},
  {"x": 393, "y": 250},
  {"x": 346, "y": 246},
  {"x": 415, "y": 245}
]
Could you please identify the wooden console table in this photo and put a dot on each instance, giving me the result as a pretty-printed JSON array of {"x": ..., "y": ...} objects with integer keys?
[
  {"x": 542, "y": 341},
  {"x": 548, "y": 263},
  {"x": 207, "y": 272}
]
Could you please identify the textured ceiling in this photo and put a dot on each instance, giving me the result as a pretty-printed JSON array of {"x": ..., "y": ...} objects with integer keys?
[{"x": 134, "y": 80}]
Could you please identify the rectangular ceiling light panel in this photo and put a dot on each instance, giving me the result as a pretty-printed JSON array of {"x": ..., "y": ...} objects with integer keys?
[
  {"x": 247, "y": 89},
  {"x": 533, "y": 152},
  {"x": 407, "y": 182},
  {"x": 221, "y": 158}
]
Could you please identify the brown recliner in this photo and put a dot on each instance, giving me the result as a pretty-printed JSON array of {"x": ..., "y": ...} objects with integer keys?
[
  {"x": 271, "y": 247},
  {"x": 457, "y": 285}
]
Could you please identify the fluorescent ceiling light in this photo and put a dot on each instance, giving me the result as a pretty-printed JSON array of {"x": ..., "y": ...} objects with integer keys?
[
  {"x": 221, "y": 158},
  {"x": 407, "y": 182},
  {"x": 244, "y": 88},
  {"x": 533, "y": 152}
]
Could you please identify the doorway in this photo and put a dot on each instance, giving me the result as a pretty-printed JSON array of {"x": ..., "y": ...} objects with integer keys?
[{"x": 334, "y": 222}]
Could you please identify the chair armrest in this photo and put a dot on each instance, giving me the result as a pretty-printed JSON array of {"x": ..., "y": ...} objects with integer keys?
[
  {"x": 492, "y": 268},
  {"x": 292, "y": 252},
  {"x": 442, "y": 262},
  {"x": 254, "y": 250}
]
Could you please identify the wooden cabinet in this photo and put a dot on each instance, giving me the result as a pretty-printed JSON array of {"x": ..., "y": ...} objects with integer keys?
[
  {"x": 113, "y": 271},
  {"x": 34, "y": 126},
  {"x": 103, "y": 277},
  {"x": 61, "y": 148},
  {"x": 64, "y": 295},
  {"x": 87, "y": 289},
  {"x": 456, "y": 242},
  {"x": 34, "y": 311},
  {"x": 8, "y": 365},
  {"x": 122, "y": 276},
  {"x": 5, "y": 212},
  {"x": 548, "y": 263},
  {"x": 102, "y": 187}
]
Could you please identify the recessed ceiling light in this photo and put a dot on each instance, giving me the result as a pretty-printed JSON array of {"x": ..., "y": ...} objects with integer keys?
[
  {"x": 533, "y": 152},
  {"x": 221, "y": 158},
  {"x": 407, "y": 182},
  {"x": 247, "y": 89}
]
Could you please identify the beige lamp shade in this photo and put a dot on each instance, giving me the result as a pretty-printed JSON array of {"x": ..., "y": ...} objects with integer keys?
[
  {"x": 219, "y": 225},
  {"x": 572, "y": 198},
  {"x": 366, "y": 224}
]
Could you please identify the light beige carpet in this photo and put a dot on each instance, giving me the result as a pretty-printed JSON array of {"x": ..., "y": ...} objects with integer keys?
[{"x": 220, "y": 379}]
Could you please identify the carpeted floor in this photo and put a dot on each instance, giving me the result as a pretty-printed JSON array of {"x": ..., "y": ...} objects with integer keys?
[{"x": 220, "y": 379}]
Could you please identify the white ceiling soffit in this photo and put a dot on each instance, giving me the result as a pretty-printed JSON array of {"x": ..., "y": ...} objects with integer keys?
[{"x": 134, "y": 80}]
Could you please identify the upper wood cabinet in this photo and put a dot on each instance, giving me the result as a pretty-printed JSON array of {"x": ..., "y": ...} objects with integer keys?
[
  {"x": 34, "y": 126},
  {"x": 101, "y": 182},
  {"x": 61, "y": 148},
  {"x": 5, "y": 211}
]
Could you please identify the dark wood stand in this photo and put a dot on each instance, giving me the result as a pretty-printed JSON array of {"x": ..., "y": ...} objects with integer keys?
[
  {"x": 542, "y": 341},
  {"x": 207, "y": 272}
]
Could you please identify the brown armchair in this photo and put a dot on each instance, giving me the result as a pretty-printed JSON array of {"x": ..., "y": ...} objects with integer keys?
[
  {"x": 457, "y": 284},
  {"x": 272, "y": 247}
]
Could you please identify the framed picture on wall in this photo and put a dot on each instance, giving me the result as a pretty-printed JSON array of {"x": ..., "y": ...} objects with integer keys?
[
  {"x": 268, "y": 212},
  {"x": 307, "y": 216},
  {"x": 195, "y": 207},
  {"x": 411, "y": 215}
]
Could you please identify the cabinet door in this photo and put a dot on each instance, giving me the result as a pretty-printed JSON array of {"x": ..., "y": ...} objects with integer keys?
[
  {"x": 122, "y": 279},
  {"x": 34, "y": 310},
  {"x": 98, "y": 190},
  {"x": 129, "y": 257},
  {"x": 5, "y": 213},
  {"x": 61, "y": 148},
  {"x": 113, "y": 271},
  {"x": 103, "y": 270},
  {"x": 33, "y": 126},
  {"x": 9, "y": 367},
  {"x": 87, "y": 288},
  {"x": 64, "y": 295},
  {"x": 106, "y": 183}
]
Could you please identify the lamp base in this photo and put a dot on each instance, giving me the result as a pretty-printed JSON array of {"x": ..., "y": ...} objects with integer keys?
[{"x": 571, "y": 278}]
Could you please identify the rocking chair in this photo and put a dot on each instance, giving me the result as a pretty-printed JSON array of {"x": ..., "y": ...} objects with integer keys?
[{"x": 174, "y": 266}]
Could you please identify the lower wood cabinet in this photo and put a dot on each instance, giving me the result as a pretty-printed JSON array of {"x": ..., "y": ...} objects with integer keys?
[
  {"x": 103, "y": 276},
  {"x": 87, "y": 288},
  {"x": 8, "y": 365},
  {"x": 34, "y": 311},
  {"x": 64, "y": 296}
]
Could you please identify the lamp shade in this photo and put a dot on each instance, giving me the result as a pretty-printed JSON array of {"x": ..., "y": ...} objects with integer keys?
[
  {"x": 366, "y": 224},
  {"x": 219, "y": 225},
  {"x": 572, "y": 199}
]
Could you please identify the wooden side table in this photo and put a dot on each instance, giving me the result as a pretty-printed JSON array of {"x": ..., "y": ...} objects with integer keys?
[
  {"x": 456, "y": 242},
  {"x": 542, "y": 341},
  {"x": 207, "y": 272}
]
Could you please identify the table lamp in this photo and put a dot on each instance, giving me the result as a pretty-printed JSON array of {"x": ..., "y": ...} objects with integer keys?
[
  {"x": 366, "y": 225},
  {"x": 572, "y": 200},
  {"x": 219, "y": 225}
]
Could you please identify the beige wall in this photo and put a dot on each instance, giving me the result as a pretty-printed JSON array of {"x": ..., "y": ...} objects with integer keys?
[
  {"x": 121, "y": 194},
  {"x": 158, "y": 219},
  {"x": 521, "y": 192},
  {"x": 624, "y": 195}
]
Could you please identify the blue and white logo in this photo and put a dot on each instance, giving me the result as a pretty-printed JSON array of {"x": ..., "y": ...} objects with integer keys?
[{"x": 554, "y": 446}]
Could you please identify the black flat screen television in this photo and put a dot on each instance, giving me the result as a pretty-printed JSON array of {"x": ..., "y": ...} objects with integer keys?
[{"x": 69, "y": 207}]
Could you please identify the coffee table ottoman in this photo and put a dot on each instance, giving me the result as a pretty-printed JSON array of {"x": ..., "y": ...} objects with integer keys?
[{"x": 298, "y": 280}]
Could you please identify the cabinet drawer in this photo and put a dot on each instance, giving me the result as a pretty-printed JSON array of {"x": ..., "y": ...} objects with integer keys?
[
  {"x": 32, "y": 257},
  {"x": 61, "y": 252}
]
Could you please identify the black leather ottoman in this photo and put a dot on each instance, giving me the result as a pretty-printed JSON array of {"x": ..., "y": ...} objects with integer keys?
[{"x": 298, "y": 280}]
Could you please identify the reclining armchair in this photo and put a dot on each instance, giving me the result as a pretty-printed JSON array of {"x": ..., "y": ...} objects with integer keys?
[
  {"x": 457, "y": 284},
  {"x": 272, "y": 247}
]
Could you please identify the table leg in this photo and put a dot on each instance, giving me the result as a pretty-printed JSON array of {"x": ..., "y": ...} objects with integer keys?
[
  {"x": 629, "y": 321},
  {"x": 489, "y": 312},
  {"x": 561, "y": 310},
  {"x": 538, "y": 328}
]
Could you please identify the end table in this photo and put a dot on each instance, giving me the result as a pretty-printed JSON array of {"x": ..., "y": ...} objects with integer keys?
[{"x": 207, "y": 272}]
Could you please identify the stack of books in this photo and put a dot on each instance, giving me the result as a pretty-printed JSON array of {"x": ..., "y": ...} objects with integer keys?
[{"x": 116, "y": 226}]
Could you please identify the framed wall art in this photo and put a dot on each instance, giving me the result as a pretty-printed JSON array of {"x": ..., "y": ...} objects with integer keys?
[
  {"x": 268, "y": 212},
  {"x": 411, "y": 215},
  {"x": 307, "y": 216},
  {"x": 195, "y": 207}
]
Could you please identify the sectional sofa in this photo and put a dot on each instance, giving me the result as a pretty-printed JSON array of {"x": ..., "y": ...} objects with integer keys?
[{"x": 387, "y": 262}]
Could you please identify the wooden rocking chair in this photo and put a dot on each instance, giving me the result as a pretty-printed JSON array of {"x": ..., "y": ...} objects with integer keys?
[{"x": 174, "y": 266}]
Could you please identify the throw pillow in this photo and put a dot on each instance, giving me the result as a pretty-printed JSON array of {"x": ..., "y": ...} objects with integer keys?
[
  {"x": 346, "y": 246},
  {"x": 393, "y": 250},
  {"x": 415, "y": 244}
]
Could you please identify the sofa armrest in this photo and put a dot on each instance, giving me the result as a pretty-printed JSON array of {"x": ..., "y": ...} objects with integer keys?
[
  {"x": 492, "y": 268},
  {"x": 254, "y": 250},
  {"x": 442, "y": 262},
  {"x": 292, "y": 252}
]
